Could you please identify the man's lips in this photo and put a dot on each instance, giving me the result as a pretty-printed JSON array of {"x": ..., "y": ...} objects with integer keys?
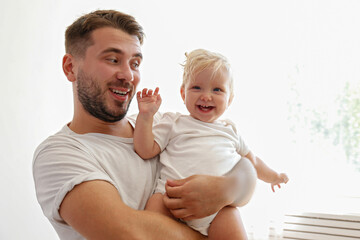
[{"x": 120, "y": 93}]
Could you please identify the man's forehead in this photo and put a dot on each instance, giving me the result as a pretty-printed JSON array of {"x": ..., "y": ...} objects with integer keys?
[{"x": 116, "y": 40}]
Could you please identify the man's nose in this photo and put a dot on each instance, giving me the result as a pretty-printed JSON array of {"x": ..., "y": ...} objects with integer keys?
[{"x": 125, "y": 73}]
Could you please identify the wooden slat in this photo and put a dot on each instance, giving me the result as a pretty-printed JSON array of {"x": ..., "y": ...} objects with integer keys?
[
  {"x": 323, "y": 230},
  {"x": 346, "y": 217},
  {"x": 322, "y": 222},
  {"x": 313, "y": 236},
  {"x": 319, "y": 226}
]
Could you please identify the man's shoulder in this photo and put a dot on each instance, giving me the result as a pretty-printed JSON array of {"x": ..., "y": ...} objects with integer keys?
[{"x": 63, "y": 139}]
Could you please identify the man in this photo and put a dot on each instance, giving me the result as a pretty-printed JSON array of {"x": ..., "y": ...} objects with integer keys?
[{"x": 89, "y": 181}]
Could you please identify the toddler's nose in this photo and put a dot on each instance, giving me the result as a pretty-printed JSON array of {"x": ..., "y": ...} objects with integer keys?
[{"x": 206, "y": 97}]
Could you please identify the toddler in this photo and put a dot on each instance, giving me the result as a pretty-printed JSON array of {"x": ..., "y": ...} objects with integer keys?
[{"x": 198, "y": 143}]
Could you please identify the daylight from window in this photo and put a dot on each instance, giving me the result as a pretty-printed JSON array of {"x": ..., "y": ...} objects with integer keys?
[{"x": 296, "y": 66}]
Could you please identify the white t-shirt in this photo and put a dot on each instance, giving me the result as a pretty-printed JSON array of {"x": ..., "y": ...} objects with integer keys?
[
  {"x": 67, "y": 159},
  {"x": 190, "y": 146}
]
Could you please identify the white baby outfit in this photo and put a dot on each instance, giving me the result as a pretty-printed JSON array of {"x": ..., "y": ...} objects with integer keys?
[{"x": 190, "y": 146}]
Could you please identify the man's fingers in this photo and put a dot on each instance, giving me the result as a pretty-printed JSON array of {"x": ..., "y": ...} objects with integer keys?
[
  {"x": 181, "y": 213},
  {"x": 191, "y": 217},
  {"x": 173, "y": 192},
  {"x": 172, "y": 203},
  {"x": 176, "y": 183}
]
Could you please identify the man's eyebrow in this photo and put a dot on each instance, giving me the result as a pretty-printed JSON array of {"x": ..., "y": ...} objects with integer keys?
[
  {"x": 118, "y": 51},
  {"x": 139, "y": 55}
]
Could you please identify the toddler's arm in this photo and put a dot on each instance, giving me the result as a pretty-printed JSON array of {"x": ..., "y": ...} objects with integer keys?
[
  {"x": 265, "y": 173},
  {"x": 144, "y": 143}
]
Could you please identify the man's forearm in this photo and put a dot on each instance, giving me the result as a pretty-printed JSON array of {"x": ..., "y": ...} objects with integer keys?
[
  {"x": 96, "y": 211},
  {"x": 158, "y": 227}
]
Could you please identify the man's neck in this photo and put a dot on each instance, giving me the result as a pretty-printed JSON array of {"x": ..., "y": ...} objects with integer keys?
[{"x": 90, "y": 124}]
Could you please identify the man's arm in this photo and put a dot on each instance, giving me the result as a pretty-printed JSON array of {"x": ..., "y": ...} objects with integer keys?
[
  {"x": 200, "y": 195},
  {"x": 96, "y": 211}
]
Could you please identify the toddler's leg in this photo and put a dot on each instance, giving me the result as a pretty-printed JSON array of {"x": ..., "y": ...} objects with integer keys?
[
  {"x": 156, "y": 204},
  {"x": 244, "y": 169},
  {"x": 227, "y": 225}
]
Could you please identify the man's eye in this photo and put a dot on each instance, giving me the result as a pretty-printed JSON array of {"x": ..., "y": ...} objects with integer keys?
[
  {"x": 136, "y": 65},
  {"x": 112, "y": 60}
]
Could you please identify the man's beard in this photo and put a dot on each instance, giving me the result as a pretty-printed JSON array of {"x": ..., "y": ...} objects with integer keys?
[{"x": 93, "y": 99}]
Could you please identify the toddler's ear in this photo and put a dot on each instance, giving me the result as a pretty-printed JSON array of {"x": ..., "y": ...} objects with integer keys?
[
  {"x": 230, "y": 100},
  {"x": 182, "y": 92}
]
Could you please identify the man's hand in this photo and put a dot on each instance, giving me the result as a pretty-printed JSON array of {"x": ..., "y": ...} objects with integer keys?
[
  {"x": 200, "y": 195},
  {"x": 196, "y": 196},
  {"x": 148, "y": 101}
]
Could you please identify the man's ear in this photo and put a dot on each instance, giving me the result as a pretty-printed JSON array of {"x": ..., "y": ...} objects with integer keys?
[
  {"x": 68, "y": 67},
  {"x": 182, "y": 92}
]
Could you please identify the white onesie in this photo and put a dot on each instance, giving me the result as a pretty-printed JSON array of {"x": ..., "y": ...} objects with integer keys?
[{"x": 190, "y": 146}]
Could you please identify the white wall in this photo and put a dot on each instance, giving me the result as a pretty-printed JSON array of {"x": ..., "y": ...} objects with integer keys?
[{"x": 264, "y": 40}]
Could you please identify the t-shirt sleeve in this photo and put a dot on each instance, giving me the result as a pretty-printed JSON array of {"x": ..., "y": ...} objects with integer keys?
[
  {"x": 163, "y": 123},
  {"x": 243, "y": 149},
  {"x": 241, "y": 146},
  {"x": 58, "y": 166}
]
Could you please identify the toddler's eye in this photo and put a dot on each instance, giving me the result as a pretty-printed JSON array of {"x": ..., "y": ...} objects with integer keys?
[
  {"x": 196, "y": 87},
  {"x": 217, "y": 90}
]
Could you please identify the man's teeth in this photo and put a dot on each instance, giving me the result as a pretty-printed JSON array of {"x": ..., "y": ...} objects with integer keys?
[{"x": 119, "y": 92}]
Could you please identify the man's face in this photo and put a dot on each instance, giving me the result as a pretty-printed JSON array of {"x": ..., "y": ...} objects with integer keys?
[{"x": 107, "y": 76}]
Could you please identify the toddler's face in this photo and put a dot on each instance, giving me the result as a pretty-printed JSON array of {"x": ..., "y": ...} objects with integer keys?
[{"x": 207, "y": 97}]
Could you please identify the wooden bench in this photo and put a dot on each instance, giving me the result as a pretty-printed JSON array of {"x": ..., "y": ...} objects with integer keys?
[{"x": 319, "y": 226}]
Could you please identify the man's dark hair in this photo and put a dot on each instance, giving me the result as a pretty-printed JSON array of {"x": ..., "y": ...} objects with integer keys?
[{"x": 78, "y": 35}]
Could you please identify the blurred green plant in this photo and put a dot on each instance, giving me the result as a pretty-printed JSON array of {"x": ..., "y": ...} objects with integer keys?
[
  {"x": 342, "y": 130},
  {"x": 345, "y": 130}
]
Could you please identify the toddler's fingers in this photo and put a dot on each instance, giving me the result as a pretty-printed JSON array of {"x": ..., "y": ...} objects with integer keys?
[
  {"x": 150, "y": 92},
  {"x": 144, "y": 92},
  {"x": 156, "y": 91},
  {"x": 138, "y": 95},
  {"x": 285, "y": 178}
]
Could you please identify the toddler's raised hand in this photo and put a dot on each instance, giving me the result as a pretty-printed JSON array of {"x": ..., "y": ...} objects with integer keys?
[{"x": 148, "y": 101}]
